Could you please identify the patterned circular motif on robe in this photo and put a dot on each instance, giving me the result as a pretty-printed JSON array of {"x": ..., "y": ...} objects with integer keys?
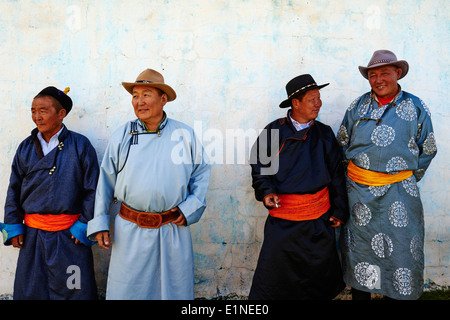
[
  {"x": 342, "y": 136},
  {"x": 410, "y": 186},
  {"x": 362, "y": 160},
  {"x": 362, "y": 214},
  {"x": 348, "y": 185},
  {"x": 406, "y": 110},
  {"x": 429, "y": 145},
  {"x": 379, "y": 191},
  {"x": 419, "y": 173},
  {"x": 365, "y": 106},
  {"x": 403, "y": 281},
  {"x": 416, "y": 248},
  {"x": 383, "y": 135},
  {"x": 382, "y": 245},
  {"x": 348, "y": 240},
  {"x": 396, "y": 164},
  {"x": 352, "y": 105},
  {"x": 377, "y": 112},
  {"x": 425, "y": 107},
  {"x": 412, "y": 146},
  {"x": 398, "y": 215},
  {"x": 366, "y": 275}
]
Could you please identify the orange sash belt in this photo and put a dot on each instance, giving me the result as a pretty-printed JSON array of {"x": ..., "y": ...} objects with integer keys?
[
  {"x": 301, "y": 207},
  {"x": 50, "y": 222},
  {"x": 373, "y": 178}
]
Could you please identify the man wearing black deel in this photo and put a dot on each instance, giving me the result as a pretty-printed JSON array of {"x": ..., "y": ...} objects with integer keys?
[{"x": 306, "y": 198}]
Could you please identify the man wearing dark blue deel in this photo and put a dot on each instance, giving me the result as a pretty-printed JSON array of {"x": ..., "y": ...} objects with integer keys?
[{"x": 50, "y": 198}]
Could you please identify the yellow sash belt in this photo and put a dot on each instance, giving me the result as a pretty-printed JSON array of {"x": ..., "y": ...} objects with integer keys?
[{"x": 373, "y": 178}]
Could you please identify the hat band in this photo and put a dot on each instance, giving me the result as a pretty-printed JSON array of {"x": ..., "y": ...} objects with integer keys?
[
  {"x": 380, "y": 61},
  {"x": 143, "y": 81},
  {"x": 303, "y": 88}
]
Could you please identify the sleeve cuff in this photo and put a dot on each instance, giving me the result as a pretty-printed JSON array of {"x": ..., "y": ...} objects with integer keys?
[
  {"x": 192, "y": 209},
  {"x": 99, "y": 223},
  {"x": 78, "y": 230},
  {"x": 10, "y": 231}
]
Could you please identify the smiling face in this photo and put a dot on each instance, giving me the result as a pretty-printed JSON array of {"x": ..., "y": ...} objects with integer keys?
[
  {"x": 308, "y": 108},
  {"x": 47, "y": 116},
  {"x": 148, "y": 104},
  {"x": 383, "y": 81}
]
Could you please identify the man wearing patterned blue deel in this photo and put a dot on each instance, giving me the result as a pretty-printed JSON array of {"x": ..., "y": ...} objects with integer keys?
[{"x": 387, "y": 137}]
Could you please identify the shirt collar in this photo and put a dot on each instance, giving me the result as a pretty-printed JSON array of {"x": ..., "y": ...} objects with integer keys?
[
  {"x": 395, "y": 98},
  {"x": 53, "y": 138},
  {"x": 297, "y": 125},
  {"x": 161, "y": 125}
]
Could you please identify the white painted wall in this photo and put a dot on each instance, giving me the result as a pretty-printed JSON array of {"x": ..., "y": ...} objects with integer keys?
[{"x": 229, "y": 62}]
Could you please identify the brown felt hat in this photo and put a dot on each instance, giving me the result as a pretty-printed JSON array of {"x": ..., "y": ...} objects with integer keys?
[{"x": 151, "y": 78}]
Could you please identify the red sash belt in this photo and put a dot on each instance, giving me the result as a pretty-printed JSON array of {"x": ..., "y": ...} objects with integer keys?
[
  {"x": 50, "y": 222},
  {"x": 301, "y": 207}
]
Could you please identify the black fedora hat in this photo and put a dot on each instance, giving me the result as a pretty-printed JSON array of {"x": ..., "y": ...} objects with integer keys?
[{"x": 298, "y": 85}]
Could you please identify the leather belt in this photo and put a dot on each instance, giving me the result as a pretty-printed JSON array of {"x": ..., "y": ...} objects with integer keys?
[{"x": 147, "y": 219}]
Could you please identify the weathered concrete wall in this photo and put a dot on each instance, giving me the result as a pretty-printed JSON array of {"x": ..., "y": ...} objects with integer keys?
[{"x": 229, "y": 62}]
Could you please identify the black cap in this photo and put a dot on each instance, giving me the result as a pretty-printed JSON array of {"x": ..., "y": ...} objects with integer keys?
[{"x": 59, "y": 95}]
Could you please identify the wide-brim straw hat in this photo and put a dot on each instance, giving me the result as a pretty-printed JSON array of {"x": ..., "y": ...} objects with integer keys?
[
  {"x": 384, "y": 58},
  {"x": 151, "y": 78},
  {"x": 299, "y": 85}
]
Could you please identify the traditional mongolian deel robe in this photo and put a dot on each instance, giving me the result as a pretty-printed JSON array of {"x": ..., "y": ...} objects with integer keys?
[
  {"x": 62, "y": 182},
  {"x": 152, "y": 172},
  {"x": 299, "y": 259},
  {"x": 383, "y": 241}
]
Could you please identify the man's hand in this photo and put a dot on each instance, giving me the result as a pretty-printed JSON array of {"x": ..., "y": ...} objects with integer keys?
[
  {"x": 104, "y": 240},
  {"x": 76, "y": 240},
  {"x": 181, "y": 220},
  {"x": 335, "y": 222},
  {"x": 17, "y": 241},
  {"x": 271, "y": 200}
]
